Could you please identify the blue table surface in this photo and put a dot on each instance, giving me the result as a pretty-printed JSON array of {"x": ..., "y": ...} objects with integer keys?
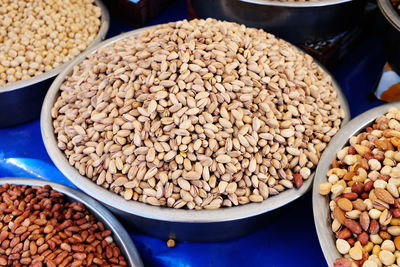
[{"x": 289, "y": 239}]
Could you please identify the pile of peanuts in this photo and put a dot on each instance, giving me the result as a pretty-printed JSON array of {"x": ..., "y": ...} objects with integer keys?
[
  {"x": 197, "y": 114},
  {"x": 38, "y": 36},
  {"x": 40, "y": 227},
  {"x": 363, "y": 185}
]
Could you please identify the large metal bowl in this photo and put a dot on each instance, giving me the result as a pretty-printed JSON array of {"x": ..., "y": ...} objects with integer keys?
[
  {"x": 391, "y": 33},
  {"x": 120, "y": 235},
  {"x": 293, "y": 21},
  {"x": 21, "y": 101},
  {"x": 322, "y": 217},
  {"x": 188, "y": 225}
]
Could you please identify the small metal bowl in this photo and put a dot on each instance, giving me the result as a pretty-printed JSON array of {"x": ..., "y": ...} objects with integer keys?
[
  {"x": 120, "y": 235},
  {"x": 21, "y": 101},
  {"x": 322, "y": 213},
  {"x": 163, "y": 222},
  {"x": 391, "y": 33},
  {"x": 296, "y": 22}
]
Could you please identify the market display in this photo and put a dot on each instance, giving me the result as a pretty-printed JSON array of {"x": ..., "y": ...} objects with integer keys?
[
  {"x": 40, "y": 227},
  {"x": 38, "y": 36},
  {"x": 197, "y": 114},
  {"x": 363, "y": 185}
]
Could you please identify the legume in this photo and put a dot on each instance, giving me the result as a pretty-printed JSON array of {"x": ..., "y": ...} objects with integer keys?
[
  {"x": 39, "y": 227},
  {"x": 197, "y": 114},
  {"x": 366, "y": 209},
  {"x": 37, "y": 36}
]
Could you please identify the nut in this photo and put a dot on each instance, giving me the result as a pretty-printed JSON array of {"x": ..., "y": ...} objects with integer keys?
[
  {"x": 354, "y": 214},
  {"x": 342, "y": 246},
  {"x": 344, "y": 234},
  {"x": 373, "y": 227},
  {"x": 397, "y": 242},
  {"x": 350, "y": 196},
  {"x": 367, "y": 173},
  {"x": 357, "y": 187},
  {"x": 370, "y": 263},
  {"x": 363, "y": 238},
  {"x": 53, "y": 230},
  {"x": 386, "y": 257},
  {"x": 34, "y": 42},
  {"x": 353, "y": 226},
  {"x": 345, "y": 204},
  {"x": 388, "y": 245},
  {"x": 355, "y": 253},
  {"x": 358, "y": 204},
  {"x": 384, "y": 195},
  {"x": 210, "y": 111},
  {"x": 375, "y": 214},
  {"x": 339, "y": 215},
  {"x": 325, "y": 188},
  {"x": 342, "y": 262},
  {"x": 394, "y": 230},
  {"x": 364, "y": 220}
]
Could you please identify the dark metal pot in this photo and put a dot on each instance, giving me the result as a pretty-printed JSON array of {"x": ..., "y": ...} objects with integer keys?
[
  {"x": 296, "y": 22},
  {"x": 391, "y": 33}
]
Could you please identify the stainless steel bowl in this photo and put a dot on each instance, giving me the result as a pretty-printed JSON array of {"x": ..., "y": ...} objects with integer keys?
[
  {"x": 120, "y": 235},
  {"x": 21, "y": 101},
  {"x": 162, "y": 222},
  {"x": 293, "y": 21},
  {"x": 321, "y": 209},
  {"x": 391, "y": 33}
]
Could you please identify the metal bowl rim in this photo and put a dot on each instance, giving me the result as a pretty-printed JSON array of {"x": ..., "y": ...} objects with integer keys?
[
  {"x": 389, "y": 13},
  {"x": 105, "y": 23},
  {"x": 318, "y": 3},
  {"x": 323, "y": 226},
  {"x": 119, "y": 232},
  {"x": 145, "y": 210}
]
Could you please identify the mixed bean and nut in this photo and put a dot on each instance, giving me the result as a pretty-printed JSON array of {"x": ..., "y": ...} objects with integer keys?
[
  {"x": 197, "y": 114},
  {"x": 363, "y": 185},
  {"x": 38, "y": 36},
  {"x": 40, "y": 227}
]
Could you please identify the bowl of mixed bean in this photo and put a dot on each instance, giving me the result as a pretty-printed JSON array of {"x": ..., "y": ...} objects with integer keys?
[{"x": 356, "y": 192}]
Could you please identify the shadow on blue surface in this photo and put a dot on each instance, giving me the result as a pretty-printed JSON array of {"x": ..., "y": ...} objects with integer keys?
[{"x": 27, "y": 167}]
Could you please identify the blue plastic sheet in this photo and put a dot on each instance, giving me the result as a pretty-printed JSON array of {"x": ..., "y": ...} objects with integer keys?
[{"x": 287, "y": 239}]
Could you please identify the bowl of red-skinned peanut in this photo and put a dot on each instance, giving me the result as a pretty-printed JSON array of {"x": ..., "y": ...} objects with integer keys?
[
  {"x": 356, "y": 192},
  {"x": 47, "y": 224}
]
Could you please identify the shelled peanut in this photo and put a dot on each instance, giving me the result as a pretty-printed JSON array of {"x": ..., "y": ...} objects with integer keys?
[
  {"x": 363, "y": 184},
  {"x": 40, "y": 227}
]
